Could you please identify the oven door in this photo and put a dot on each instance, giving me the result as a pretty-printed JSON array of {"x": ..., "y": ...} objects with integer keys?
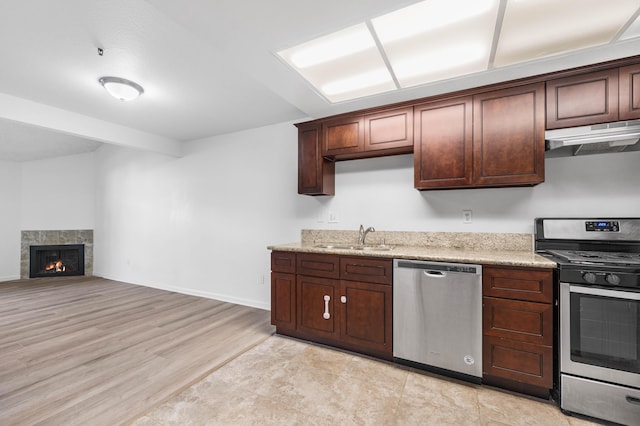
[{"x": 600, "y": 334}]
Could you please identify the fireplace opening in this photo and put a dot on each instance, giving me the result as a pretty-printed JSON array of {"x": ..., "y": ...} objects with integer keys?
[{"x": 56, "y": 260}]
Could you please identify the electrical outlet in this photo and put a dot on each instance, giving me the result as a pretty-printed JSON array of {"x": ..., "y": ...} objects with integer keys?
[
  {"x": 332, "y": 217},
  {"x": 466, "y": 216}
]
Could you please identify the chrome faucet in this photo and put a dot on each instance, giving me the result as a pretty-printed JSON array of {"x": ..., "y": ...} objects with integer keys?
[{"x": 363, "y": 234}]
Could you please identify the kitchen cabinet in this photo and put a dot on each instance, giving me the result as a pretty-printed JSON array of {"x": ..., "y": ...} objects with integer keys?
[
  {"x": 368, "y": 135},
  {"x": 343, "y": 301},
  {"x": 316, "y": 303},
  {"x": 467, "y": 142},
  {"x": 443, "y": 151},
  {"x": 316, "y": 175},
  {"x": 366, "y": 299},
  {"x": 583, "y": 99},
  {"x": 508, "y": 136},
  {"x": 517, "y": 326},
  {"x": 629, "y": 90},
  {"x": 283, "y": 290}
]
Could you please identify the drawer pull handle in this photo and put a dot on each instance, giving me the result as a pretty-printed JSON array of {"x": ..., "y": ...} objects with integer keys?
[
  {"x": 343, "y": 299},
  {"x": 326, "y": 314},
  {"x": 633, "y": 400}
]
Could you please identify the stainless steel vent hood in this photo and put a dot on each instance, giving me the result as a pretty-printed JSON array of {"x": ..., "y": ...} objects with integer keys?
[{"x": 622, "y": 136}]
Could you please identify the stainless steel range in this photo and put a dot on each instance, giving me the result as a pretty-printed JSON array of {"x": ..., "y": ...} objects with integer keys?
[{"x": 599, "y": 314}]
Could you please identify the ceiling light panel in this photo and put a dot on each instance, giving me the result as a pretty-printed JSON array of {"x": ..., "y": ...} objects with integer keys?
[
  {"x": 342, "y": 65},
  {"x": 534, "y": 29},
  {"x": 438, "y": 39}
]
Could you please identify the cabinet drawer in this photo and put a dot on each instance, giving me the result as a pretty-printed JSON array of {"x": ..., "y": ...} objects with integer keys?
[
  {"x": 524, "y": 321},
  {"x": 534, "y": 285},
  {"x": 518, "y": 361},
  {"x": 283, "y": 261},
  {"x": 379, "y": 271},
  {"x": 318, "y": 265}
]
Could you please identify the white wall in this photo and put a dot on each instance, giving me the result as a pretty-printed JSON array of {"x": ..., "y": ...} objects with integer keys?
[
  {"x": 58, "y": 193},
  {"x": 9, "y": 221},
  {"x": 200, "y": 224}
]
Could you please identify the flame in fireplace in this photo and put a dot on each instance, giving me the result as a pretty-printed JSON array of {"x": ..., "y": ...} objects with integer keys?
[{"x": 56, "y": 266}]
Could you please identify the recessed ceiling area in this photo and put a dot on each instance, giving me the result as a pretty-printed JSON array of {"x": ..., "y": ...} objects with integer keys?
[
  {"x": 435, "y": 40},
  {"x": 212, "y": 68}
]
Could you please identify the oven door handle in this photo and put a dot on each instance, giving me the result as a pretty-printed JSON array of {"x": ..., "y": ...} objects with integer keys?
[{"x": 596, "y": 291}]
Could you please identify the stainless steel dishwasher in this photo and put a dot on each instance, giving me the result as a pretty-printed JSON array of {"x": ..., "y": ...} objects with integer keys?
[{"x": 437, "y": 317}]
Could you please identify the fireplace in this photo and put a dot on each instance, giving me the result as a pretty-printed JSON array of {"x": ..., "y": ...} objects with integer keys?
[{"x": 56, "y": 260}]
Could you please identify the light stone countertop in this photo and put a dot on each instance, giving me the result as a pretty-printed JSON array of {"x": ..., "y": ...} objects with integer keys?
[{"x": 475, "y": 248}]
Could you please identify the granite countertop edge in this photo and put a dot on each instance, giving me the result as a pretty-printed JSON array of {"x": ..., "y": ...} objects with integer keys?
[{"x": 442, "y": 254}]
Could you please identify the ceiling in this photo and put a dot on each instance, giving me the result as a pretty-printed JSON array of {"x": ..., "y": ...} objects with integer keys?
[{"x": 207, "y": 68}]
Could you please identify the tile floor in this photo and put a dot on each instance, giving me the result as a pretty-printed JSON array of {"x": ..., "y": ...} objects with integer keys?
[{"x": 287, "y": 382}]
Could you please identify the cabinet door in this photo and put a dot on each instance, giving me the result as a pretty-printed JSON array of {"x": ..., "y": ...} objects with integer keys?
[
  {"x": 629, "y": 92},
  {"x": 518, "y": 361},
  {"x": 316, "y": 303},
  {"x": 283, "y": 300},
  {"x": 366, "y": 315},
  {"x": 508, "y": 136},
  {"x": 316, "y": 176},
  {"x": 343, "y": 135},
  {"x": 443, "y": 144},
  {"x": 582, "y": 100},
  {"x": 390, "y": 131}
]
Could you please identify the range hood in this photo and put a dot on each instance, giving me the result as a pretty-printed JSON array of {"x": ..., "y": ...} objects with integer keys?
[{"x": 621, "y": 136}]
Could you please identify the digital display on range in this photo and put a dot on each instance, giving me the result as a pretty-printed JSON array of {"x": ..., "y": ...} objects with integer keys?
[{"x": 603, "y": 226}]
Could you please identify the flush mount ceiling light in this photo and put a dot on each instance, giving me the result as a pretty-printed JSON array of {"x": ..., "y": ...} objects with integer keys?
[
  {"x": 436, "y": 40},
  {"x": 121, "y": 88}
]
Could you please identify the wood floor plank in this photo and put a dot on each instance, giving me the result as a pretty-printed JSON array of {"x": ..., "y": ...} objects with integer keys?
[{"x": 86, "y": 350}]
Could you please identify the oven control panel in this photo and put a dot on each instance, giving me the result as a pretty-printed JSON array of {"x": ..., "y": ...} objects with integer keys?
[{"x": 602, "y": 226}]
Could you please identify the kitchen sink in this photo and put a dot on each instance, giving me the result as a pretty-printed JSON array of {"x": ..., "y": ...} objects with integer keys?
[{"x": 354, "y": 247}]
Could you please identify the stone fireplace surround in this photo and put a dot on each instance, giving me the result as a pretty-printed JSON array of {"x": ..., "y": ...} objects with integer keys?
[{"x": 56, "y": 237}]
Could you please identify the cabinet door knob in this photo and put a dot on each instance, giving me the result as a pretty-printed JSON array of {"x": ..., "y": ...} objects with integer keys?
[
  {"x": 343, "y": 299},
  {"x": 326, "y": 314}
]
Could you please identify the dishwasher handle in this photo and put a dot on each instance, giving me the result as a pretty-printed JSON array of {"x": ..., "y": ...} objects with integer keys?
[
  {"x": 434, "y": 274},
  {"x": 433, "y": 268}
]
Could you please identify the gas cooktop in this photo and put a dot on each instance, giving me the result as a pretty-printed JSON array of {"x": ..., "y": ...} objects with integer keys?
[{"x": 588, "y": 257}]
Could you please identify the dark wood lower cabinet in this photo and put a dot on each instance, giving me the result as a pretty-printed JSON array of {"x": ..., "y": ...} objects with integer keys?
[
  {"x": 517, "y": 329},
  {"x": 283, "y": 301},
  {"x": 346, "y": 302},
  {"x": 366, "y": 315},
  {"x": 316, "y": 304}
]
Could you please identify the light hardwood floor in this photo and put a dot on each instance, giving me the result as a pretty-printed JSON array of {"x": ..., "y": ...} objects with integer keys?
[{"x": 86, "y": 350}]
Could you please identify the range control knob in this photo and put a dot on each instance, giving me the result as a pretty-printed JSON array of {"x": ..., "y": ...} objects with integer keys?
[
  {"x": 589, "y": 277},
  {"x": 612, "y": 279}
]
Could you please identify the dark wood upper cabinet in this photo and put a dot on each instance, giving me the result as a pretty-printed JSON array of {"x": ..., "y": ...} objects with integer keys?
[
  {"x": 443, "y": 144},
  {"x": 344, "y": 135},
  {"x": 369, "y": 135},
  {"x": 508, "y": 136},
  {"x": 316, "y": 175},
  {"x": 389, "y": 131},
  {"x": 629, "y": 102},
  {"x": 491, "y": 136},
  {"x": 582, "y": 100}
]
